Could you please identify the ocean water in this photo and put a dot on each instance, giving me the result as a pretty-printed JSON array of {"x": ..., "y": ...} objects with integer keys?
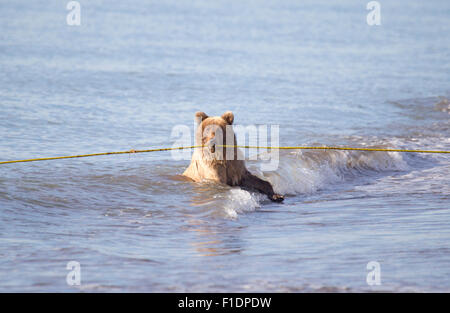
[{"x": 133, "y": 70}]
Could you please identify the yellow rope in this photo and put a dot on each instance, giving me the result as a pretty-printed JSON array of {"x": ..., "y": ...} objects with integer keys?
[
  {"x": 97, "y": 154},
  {"x": 339, "y": 148},
  {"x": 229, "y": 146}
]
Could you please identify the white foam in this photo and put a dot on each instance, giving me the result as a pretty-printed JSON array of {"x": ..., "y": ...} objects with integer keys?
[
  {"x": 307, "y": 172},
  {"x": 239, "y": 201}
]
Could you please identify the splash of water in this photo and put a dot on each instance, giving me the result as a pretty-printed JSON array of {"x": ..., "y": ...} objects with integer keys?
[{"x": 307, "y": 172}]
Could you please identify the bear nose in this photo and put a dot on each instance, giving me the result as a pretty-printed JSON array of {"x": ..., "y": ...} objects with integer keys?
[{"x": 212, "y": 145}]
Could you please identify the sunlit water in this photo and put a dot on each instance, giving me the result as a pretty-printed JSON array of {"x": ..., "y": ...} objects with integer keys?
[{"x": 133, "y": 70}]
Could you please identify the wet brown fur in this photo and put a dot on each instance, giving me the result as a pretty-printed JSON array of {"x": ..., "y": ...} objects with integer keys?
[{"x": 209, "y": 163}]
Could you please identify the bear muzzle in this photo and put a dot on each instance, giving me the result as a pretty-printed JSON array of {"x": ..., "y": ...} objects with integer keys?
[{"x": 212, "y": 145}]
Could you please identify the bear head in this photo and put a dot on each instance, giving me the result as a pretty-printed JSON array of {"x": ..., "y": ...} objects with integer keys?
[{"x": 213, "y": 132}]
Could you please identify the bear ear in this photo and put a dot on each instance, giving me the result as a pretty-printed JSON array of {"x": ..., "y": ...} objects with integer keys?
[
  {"x": 200, "y": 117},
  {"x": 228, "y": 117}
]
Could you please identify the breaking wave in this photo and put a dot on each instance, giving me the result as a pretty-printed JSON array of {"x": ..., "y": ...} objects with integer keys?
[
  {"x": 302, "y": 172},
  {"x": 306, "y": 172}
]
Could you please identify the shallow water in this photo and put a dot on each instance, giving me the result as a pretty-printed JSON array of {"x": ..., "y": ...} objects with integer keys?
[{"x": 133, "y": 70}]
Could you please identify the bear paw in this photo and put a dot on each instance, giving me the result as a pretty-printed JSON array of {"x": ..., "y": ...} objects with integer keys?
[{"x": 276, "y": 198}]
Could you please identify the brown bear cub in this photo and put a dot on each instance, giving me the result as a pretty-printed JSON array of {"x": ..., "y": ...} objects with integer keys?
[{"x": 221, "y": 164}]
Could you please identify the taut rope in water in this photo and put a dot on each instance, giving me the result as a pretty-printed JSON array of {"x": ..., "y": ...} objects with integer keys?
[{"x": 227, "y": 146}]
